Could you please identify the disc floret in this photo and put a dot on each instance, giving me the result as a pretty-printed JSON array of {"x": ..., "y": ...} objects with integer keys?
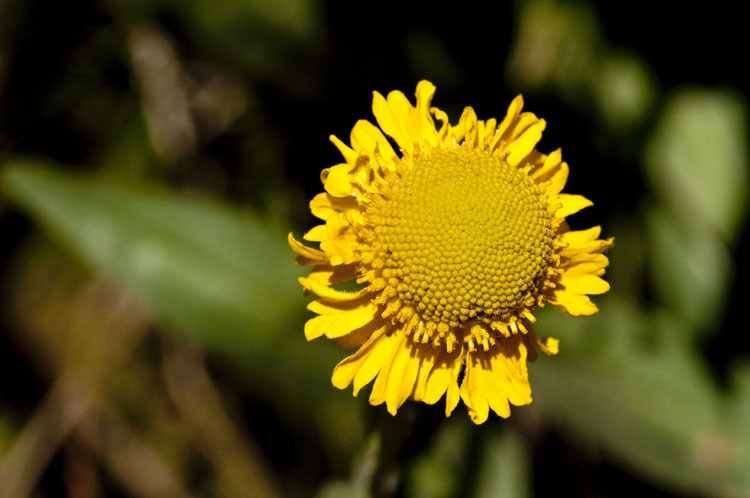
[{"x": 461, "y": 238}]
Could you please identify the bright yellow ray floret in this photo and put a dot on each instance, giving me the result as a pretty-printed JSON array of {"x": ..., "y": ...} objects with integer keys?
[{"x": 456, "y": 238}]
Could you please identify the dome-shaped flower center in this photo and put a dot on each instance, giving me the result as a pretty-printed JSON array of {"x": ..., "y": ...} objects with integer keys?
[{"x": 463, "y": 236}]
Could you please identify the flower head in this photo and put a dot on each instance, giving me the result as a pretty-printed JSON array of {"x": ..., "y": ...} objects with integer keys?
[{"x": 456, "y": 239}]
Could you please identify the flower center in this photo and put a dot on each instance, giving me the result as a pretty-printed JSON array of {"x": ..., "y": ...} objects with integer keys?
[{"x": 463, "y": 236}]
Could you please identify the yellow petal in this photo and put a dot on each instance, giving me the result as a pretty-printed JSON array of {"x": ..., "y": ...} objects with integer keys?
[
  {"x": 536, "y": 160},
  {"x": 350, "y": 156},
  {"x": 394, "y": 118},
  {"x": 401, "y": 376},
  {"x": 437, "y": 383},
  {"x": 553, "y": 170},
  {"x": 486, "y": 131},
  {"x": 444, "y": 378},
  {"x": 338, "y": 324},
  {"x": 324, "y": 205},
  {"x": 358, "y": 337},
  {"x": 498, "y": 400},
  {"x": 426, "y": 126},
  {"x": 406, "y": 124},
  {"x": 329, "y": 275},
  {"x": 321, "y": 206},
  {"x": 324, "y": 306},
  {"x": 378, "y": 358},
  {"x": 558, "y": 179},
  {"x": 583, "y": 242},
  {"x": 337, "y": 181},
  {"x": 504, "y": 385},
  {"x": 594, "y": 247},
  {"x": 443, "y": 134},
  {"x": 572, "y": 303},
  {"x": 584, "y": 283},
  {"x": 453, "y": 394},
  {"x": 340, "y": 240},
  {"x": 581, "y": 237},
  {"x": 474, "y": 390},
  {"x": 316, "y": 233},
  {"x": 571, "y": 203},
  {"x": 307, "y": 255},
  {"x": 427, "y": 355},
  {"x": 468, "y": 125},
  {"x": 548, "y": 345},
  {"x": 364, "y": 364},
  {"x": 516, "y": 378},
  {"x": 593, "y": 264},
  {"x": 329, "y": 293},
  {"x": 522, "y": 144},
  {"x": 514, "y": 109},
  {"x": 368, "y": 139},
  {"x": 518, "y": 133},
  {"x": 496, "y": 378},
  {"x": 378, "y": 392}
]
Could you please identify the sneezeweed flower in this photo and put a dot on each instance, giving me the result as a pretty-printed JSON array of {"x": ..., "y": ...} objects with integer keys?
[{"x": 456, "y": 239}]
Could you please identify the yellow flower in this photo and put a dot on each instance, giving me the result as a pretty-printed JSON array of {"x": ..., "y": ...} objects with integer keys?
[{"x": 456, "y": 238}]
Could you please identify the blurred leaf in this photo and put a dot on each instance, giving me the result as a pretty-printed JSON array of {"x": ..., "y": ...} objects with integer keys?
[
  {"x": 294, "y": 18},
  {"x": 624, "y": 88},
  {"x": 616, "y": 332},
  {"x": 739, "y": 423},
  {"x": 195, "y": 260},
  {"x": 222, "y": 278},
  {"x": 692, "y": 268},
  {"x": 655, "y": 410},
  {"x": 364, "y": 466},
  {"x": 697, "y": 159},
  {"x": 439, "y": 471},
  {"x": 505, "y": 468},
  {"x": 556, "y": 45},
  {"x": 128, "y": 153},
  {"x": 7, "y": 430},
  {"x": 267, "y": 38}
]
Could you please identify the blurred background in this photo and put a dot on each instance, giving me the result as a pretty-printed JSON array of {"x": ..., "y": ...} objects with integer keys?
[{"x": 154, "y": 154}]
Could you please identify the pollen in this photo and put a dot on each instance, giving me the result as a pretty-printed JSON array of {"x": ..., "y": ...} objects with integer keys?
[{"x": 461, "y": 237}]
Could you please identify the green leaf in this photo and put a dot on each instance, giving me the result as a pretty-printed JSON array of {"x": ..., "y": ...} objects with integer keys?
[
  {"x": 505, "y": 468},
  {"x": 556, "y": 45},
  {"x": 439, "y": 471},
  {"x": 691, "y": 268},
  {"x": 616, "y": 332},
  {"x": 697, "y": 159},
  {"x": 260, "y": 37},
  {"x": 218, "y": 276},
  {"x": 8, "y": 429},
  {"x": 364, "y": 467},
  {"x": 719, "y": 450},
  {"x": 624, "y": 89},
  {"x": 655, "y": 410}
]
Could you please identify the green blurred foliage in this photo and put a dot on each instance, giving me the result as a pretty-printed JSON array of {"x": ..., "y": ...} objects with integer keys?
[
  {"x": 505, "y": 467},
  {"x": 437, "y": 472},
  {"x": 168, "y": 147}
]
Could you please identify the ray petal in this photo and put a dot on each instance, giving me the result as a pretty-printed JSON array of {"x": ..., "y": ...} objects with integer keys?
[
  {"x": 339, "y": 323},
  {"x": 571, "y": 204}
]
